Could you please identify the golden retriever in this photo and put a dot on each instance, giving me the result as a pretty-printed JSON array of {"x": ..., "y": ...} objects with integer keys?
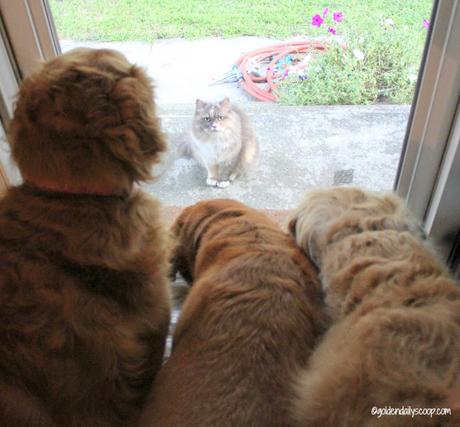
[
  {"x": 84, "y": 295},
  {"x": 253, "y": 315},
  {"x": 395, "y": 340}
]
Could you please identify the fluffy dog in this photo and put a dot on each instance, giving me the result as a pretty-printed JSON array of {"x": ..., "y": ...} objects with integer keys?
[
  {"x": 84, "y": 300},
  {"x": 396, "y": 337},
  {"x": 252, "y": 316}
]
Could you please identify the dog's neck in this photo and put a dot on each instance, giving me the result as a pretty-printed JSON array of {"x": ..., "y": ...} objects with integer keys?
[{"x": 95, "y": 190}]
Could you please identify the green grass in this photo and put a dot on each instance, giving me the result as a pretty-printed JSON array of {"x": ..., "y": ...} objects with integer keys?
[
  {"x": 147, "y": 20},
  {"x": 391, "y": 56}
]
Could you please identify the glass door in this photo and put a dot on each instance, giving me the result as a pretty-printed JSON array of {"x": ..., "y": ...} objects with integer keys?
[{"x": 429, "y": 160}]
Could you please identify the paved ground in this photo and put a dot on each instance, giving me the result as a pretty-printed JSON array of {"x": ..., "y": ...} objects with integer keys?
[
  {"x": 183, "y": 69},
  {"x": 301, "y": 147}
]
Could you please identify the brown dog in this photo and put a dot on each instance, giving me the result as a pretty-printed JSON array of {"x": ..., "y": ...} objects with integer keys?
[
  {"x": 84, "y": 300},
  {"x": 252, "y": 316},
  {"x": 396, "y": 340}
]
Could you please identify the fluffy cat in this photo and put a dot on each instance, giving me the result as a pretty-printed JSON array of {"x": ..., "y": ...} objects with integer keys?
[{"x": 221, "y": 140}]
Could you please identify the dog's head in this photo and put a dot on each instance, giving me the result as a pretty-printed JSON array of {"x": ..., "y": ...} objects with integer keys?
[
  {"x": 326, "y": 215},
  {"x": 86, "y": 117},
  {"x": 190, "y": 228}
]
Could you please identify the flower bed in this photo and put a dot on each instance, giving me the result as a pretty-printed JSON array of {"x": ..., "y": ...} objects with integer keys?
[{"x": 375, "y": 66}]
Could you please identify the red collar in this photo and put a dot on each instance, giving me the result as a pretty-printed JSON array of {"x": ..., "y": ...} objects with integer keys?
[{"x": 96, "y": 190}]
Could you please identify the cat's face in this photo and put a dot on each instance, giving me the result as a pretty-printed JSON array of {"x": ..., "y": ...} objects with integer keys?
[{"x": 211, "y": 117}]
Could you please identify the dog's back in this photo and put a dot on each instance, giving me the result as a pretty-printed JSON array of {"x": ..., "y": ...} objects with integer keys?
[
  {"x": 395, "y": 345},
  {"x": 84, "y": 300},
  {"x": 253, "y": 315},
  {"x": 83, "y": 307}
]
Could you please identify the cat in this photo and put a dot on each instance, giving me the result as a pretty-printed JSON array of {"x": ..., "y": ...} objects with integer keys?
[{"x": 222, "y": 141}]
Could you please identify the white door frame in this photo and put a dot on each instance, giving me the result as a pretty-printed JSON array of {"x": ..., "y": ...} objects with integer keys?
[
  {"x": 31, "y": 32},
  {"x": 430, "y": 162},
  {"x": 433, "y": 111}
]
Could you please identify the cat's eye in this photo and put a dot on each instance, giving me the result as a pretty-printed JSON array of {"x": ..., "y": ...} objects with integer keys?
[
  {"x": 207, "y": 118},
  {"x": 219, "y": 117}
]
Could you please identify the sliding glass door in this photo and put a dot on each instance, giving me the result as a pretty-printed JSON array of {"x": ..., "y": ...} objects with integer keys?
[{"x": 429, "y": 171}]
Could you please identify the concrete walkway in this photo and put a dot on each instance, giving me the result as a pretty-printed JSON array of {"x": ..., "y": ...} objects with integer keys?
[
  {"x": 183, "y": 69},
  {"x": 301, "y": 147}
]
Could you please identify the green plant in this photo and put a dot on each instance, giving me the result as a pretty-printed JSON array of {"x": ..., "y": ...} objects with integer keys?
[
  {"x": 372, "y": 66},
  {"x": 333, "y": 77}
]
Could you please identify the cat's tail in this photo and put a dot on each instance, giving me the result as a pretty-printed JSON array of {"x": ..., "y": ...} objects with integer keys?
[
  {"x": 250, "y": 152},
  {"x": 250, "y": 156},
  {"x": 176, "y": 149}
]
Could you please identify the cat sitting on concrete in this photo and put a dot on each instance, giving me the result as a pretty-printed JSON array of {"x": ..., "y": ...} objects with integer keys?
[{"x": 222, "y": 140}]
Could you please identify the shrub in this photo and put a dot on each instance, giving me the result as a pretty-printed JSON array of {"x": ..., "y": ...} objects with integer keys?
[{"x": 380, "y": 65}]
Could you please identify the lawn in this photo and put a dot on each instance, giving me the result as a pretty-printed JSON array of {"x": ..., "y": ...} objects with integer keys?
[
  {"x": 390, "y": 33},
  {"x": 148, "y": 20}
]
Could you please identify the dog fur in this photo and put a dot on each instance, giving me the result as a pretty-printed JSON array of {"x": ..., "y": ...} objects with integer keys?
[
  {"x": 396, "y": 334},
  {"x": 84, "y": 295},
  {"x": 252, "y": 316}
]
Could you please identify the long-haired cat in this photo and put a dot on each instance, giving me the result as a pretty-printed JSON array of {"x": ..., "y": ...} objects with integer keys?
[{"x": 222, "y": 141}]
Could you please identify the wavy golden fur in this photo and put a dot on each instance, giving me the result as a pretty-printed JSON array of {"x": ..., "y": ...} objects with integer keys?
[
  {"x": 252, "y": 316},
  {"x": 84, "y": 299},
  {"x": 396, "y": 337}
]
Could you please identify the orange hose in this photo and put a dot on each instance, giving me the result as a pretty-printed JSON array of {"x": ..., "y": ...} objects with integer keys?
[{"x": 276, "y": 52}]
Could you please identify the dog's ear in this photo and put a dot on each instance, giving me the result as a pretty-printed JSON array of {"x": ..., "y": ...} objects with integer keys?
[
  {"x": 292, "y": 227},
  {"x": 186, "y": 235},
  {"x": 137, "y": 141},
  {"x": 307, "y": 237},
  {"x": 181, "y": 259},
  {"x": 188, "y": 231},
  {"x": 312, "y": 249}
]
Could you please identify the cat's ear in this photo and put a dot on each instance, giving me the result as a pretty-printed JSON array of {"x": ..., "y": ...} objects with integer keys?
[
  {"x": 225, "y": 103},
  {"x": 200, "y": 104}
]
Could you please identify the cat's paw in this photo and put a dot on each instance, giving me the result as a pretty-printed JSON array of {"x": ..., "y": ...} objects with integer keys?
[
  {"x": 211, "y": 182},
  {"x": 223, "y": 184}
]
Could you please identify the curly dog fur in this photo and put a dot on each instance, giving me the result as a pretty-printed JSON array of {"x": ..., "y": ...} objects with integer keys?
[
  {"x": 84, "y": 299},
  {"x": 253, "y": 314},
  {"x": 396, "y": 336}
]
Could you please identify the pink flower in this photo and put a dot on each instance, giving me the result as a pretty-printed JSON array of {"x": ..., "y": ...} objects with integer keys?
[
  {"x": 317, "y": 21},
  {"x": 338, "y": 16},
  {"x": 325, "y": 12},
  {"x": 332, "y": 30},
  {"x": 426, "y": 24}
]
